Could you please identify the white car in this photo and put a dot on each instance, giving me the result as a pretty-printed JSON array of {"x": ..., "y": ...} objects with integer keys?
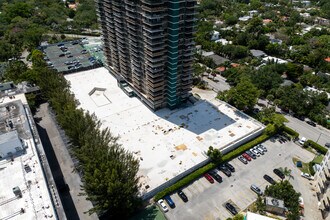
[
  {"x": 256, "y": 152},
  {"x": 302, "y": 140},
  {"x": 263, "y": 147},
  {"x": 307, "y": 176},
  {"x": 161, "y": 203}
]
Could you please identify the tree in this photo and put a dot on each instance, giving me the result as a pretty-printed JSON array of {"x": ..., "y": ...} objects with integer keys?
[
  {"x": 287, "y": 172},
  {"x": 285, "y": 191},
  {"x": 260, "y": 205},
  {"x": 244, "y": 95},
  {"x": 215, "y": 154},
  {"x": 269, "y": 116}
]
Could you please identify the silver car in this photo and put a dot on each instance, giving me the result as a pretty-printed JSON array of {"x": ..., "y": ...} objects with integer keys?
[{"x": 256, "y": 189}]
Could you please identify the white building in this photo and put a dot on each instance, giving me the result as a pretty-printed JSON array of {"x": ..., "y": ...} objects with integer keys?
[{"x": 322, "y": 179}]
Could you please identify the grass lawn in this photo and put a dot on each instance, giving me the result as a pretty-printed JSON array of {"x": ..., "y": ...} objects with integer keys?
[
  {"x": 150, "y": 213},
  {"x": 318, "y": 159},
  {"x": 304, "y": 168}
]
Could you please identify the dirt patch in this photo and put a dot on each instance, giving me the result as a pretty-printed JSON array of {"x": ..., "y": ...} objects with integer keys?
[{"x": 181, "y": 147}]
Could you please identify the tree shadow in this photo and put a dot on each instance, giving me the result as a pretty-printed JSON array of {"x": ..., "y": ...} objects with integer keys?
[{"x": 63, "y": 189}]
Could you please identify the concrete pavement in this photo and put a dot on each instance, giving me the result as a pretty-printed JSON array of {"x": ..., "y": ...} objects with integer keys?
[{"x": 81, "y": 205}]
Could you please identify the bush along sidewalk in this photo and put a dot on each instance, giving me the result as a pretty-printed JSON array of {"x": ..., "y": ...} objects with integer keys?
[
  {"x": 199, "y": 172},
  {"x": 316, "y": 146}
]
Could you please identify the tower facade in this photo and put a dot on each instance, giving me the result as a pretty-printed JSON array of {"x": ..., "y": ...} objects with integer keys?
[{"x": 149, "y": 45}]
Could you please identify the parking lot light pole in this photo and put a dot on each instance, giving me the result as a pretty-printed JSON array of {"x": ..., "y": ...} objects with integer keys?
[{"x": 319, "y": 137}]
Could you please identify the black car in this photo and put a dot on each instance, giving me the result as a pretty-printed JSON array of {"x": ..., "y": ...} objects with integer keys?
[
  {"x": 279, "y": 173},
  {"x": 225, "y": 170},
  {"x": 231, "y": 208},
  {"x": 251, "y": 154},
  {"x": 230, "y": 167},
  {"x": 269, "y": 179},
  {"x": 242, "y": 159},
  {"x": 311, "y": 123},
  {"x": 216, "y": 176},
  {"x": 182, "y": 196}
]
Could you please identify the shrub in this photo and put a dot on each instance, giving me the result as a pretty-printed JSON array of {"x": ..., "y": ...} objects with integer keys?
[
  {"x": 199, "y": 172},
  {"x": 316, "y": 146},
  {"x": 291, "y": 132},
  {"x": 311, "y": 170}
]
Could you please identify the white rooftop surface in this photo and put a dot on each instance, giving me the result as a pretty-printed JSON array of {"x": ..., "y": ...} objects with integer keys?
[
  {"x": 164, "y": 148},
  {"x": 35, "y": 199},
  {"x": 254, "y": 216}
]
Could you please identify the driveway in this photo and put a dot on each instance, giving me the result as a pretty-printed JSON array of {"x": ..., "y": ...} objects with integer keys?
[{"x": 206, "y": 200}]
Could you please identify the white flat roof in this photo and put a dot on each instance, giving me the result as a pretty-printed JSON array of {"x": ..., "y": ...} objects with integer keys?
[
  {"x": 254, "y": 216},
  {"x": 35, "y": 201},
  {"x": 167, "y": 142}
]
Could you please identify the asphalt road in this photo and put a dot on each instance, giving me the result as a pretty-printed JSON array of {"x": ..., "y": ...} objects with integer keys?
[{"x": 206, "y": 200}]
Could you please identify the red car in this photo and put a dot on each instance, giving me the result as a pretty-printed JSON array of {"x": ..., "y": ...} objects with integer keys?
[
  {"x": 246, "y": 156},
  {"x": 209, "y": 177}
]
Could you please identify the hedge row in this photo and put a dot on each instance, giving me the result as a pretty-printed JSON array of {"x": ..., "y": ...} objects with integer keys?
[
  {"x": 291, "y": 132},
  {"x": 310, "y": 166},
  {"x": 316, "y": 146},
  {"x": 199, "y": 172}
]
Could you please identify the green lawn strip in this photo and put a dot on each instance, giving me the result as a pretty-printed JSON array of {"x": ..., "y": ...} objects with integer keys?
[
  {"x": 305, "y": 166},
  {"x": 150, "y": 213},
  {"x": 199, "y": 172},
  {"x": 318, "y": 159}
]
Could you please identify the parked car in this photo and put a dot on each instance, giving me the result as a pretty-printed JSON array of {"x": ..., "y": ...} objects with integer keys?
[
  {"x": 169, "y": 201},
  {"x": 311, "y": 123},
  {"x": 162, "y": 204},
  {"x": 225, "y": 170},
  {"x": 242, "y": 159},
  {"x": 215, "y": 176},
  {"x": 69, "y": 56},
  {"x": 256, "y": 189},
  {"x": 84, "y": 51},
  {"x": 262, "y": 147},
  {"x": 230, "y": 167},
  {"x": 252, "y": 155},
  {"x": 247, "y": 157},
  {"x": 327, "y": 145},
  {"x": 279, "y": 173},
  {"x": 302, "y": 141},
  {"x": 182, "y": 196},
  {"x": 307, "y": 176},
  {"x": 60, "y": 45},
  {"x": 61, "y": 55},
  {"x": 261, "y": 152},
  {"x": 231, "y": 208},
  {"x": 255, "y": 152},
  {"x": 269, "y": 179},
  {"x": 209, "y": 177}
]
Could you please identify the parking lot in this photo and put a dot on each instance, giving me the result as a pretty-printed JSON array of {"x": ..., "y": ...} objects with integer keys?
[
  {"x": 206, "y": 200},
  {"x": 68, "y": 56}
]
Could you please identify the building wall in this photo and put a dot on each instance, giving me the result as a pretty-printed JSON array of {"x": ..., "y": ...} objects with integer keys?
[
  {"x": 149, "y": 44},
  {"x": 322, "y": 178}
]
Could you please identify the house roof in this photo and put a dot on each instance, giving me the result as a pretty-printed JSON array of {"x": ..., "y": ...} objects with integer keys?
[
  {"x": 218, "y": 60},
  {"x": 221, "y": 68},
  {"x": 257, "y": 53},
  {"x": 327, "y": 59},
  {"x": 234, "y": 65}
]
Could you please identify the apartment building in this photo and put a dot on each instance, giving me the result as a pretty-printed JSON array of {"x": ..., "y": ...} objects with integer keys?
[
  {"x": 322, "y": 177},
  {"x": 149, "y": 45}
]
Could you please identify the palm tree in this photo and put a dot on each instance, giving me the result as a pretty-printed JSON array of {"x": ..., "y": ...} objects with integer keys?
[{"x": 287, "y": 172}]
